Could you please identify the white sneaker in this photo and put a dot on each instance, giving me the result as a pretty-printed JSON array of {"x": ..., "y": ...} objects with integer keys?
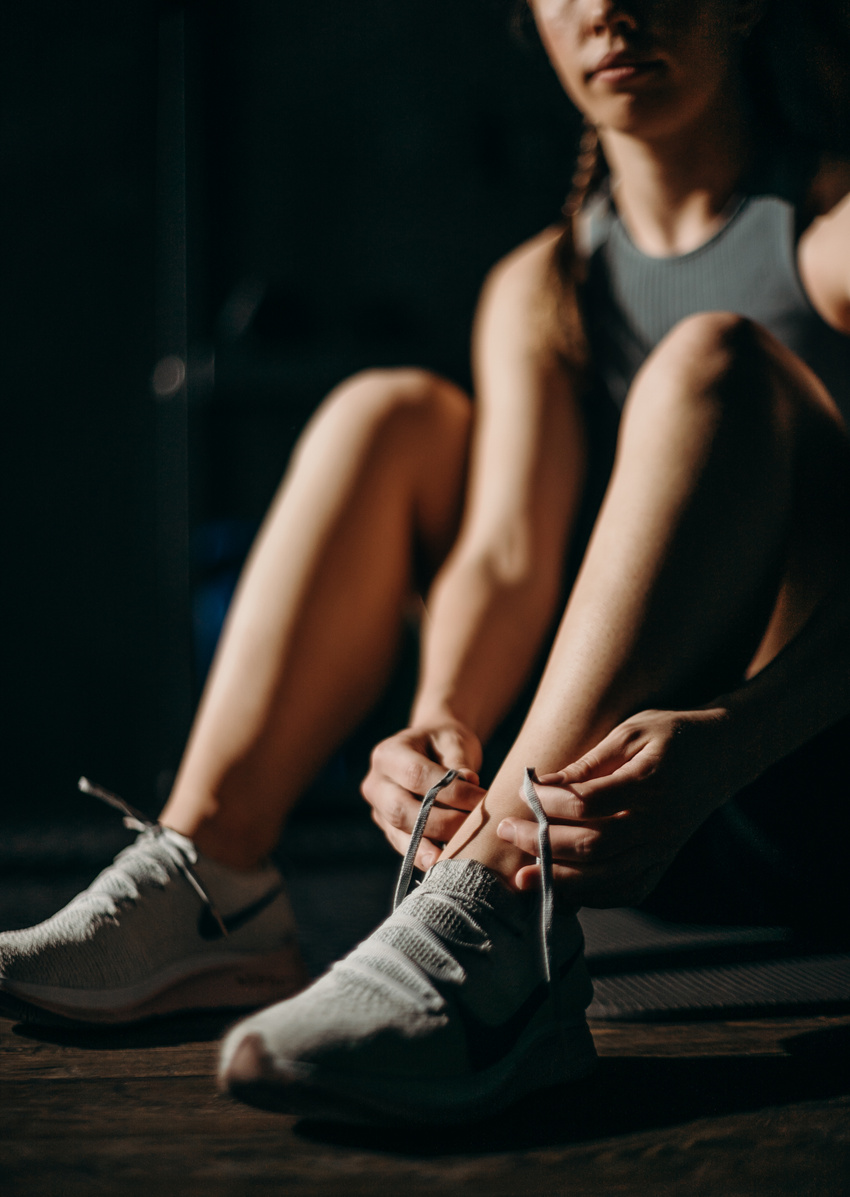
[
  {"x": 453, "y": 1009},
  {"x": 443, "y": 1014},
  {"x": 163, "y": 929}
]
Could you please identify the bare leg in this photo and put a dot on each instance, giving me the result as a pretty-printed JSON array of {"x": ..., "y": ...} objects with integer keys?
[
  {"x": 719, "y": 501},
  {"x": 314, "y": 627}
]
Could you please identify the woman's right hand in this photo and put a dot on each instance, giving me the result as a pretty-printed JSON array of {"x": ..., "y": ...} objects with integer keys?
[{"x": 403, "y": 769}]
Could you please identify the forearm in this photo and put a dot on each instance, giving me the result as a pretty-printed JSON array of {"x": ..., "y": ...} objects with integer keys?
[
  {"x": 482, "y": 635},
  {"x": 802, "y": 691}
]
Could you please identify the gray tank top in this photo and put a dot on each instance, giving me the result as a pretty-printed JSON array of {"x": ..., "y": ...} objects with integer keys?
[{"x": 632, "y": 300}]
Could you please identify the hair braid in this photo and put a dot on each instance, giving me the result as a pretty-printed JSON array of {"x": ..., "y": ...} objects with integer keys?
[
  {"x": 562, "y": 324},
  {"x": 590, "y": 169}
]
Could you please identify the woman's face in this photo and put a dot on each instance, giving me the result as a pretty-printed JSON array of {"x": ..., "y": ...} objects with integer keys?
[{"x": 645, "y": 67}]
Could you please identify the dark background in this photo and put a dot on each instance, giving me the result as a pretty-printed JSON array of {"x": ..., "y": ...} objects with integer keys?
[{"x": 348, "y": 174}]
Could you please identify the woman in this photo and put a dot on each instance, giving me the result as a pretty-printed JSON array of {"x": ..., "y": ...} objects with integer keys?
[{"x": 705, "y": 636}]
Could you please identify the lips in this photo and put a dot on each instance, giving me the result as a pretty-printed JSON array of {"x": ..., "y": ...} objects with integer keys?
[{"x": 622, "y": 64}]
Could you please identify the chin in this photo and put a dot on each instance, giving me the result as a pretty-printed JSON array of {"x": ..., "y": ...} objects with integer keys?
[{"x": 639, "y": 117}]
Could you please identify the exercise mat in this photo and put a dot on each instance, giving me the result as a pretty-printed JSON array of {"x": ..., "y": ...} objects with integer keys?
[{"x": 648, "y": 968}]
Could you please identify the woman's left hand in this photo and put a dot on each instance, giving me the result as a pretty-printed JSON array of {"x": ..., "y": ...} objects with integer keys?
[{"x": 619, "y": 815}]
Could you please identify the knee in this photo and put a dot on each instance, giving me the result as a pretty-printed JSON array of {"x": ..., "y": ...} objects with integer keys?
[
  {"x": 719, "y": 359},
  {"x": 711, "y": 345},
  {"x": 393, "y": 403},
  {"x": 402, "y": 427}
]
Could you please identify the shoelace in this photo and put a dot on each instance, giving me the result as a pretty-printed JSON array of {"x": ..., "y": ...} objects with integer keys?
[
  {"x": 544, "y": 859},
  {"x": 135, "y": 820},
  {"x": 405, "y": 874}
]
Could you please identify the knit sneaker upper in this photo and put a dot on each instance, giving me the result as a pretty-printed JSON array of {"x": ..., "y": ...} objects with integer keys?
[
  {"x": 445, "y": 985},
  {"x": 140, "y": 915}
]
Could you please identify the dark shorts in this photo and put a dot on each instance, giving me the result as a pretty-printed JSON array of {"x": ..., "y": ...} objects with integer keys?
[{"x": 775, "y": 854}]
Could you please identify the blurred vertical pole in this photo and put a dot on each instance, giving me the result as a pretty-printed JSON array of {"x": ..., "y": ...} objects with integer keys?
[{"x": 169, "y": 385}]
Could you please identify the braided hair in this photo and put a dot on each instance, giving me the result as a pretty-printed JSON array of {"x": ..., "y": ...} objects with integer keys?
[{"x": 561, "y": 319}]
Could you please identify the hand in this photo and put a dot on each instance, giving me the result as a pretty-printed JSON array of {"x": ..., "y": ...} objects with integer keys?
[
  {"x": 620, "y": 814},
  {"x": 403, "y": 769}
]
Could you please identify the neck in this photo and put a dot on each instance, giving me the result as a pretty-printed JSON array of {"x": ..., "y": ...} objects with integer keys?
[{"x": 672, "y": 190}]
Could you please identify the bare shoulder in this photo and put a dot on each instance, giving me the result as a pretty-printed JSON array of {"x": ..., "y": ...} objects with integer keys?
[
  {"x": 519, "y": 277},
  {"x": 824, "y": 249},
  {"x": 512, "y": 360},
  {"x": 519, "y": 313}
]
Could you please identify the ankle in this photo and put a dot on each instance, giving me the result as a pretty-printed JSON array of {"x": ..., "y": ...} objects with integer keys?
[
  {"x": 504, "y": 862},
  {"x": 477, "y": 840},
  {"x": 226, "y": 846},
  {"x": 501, "y": 858}
]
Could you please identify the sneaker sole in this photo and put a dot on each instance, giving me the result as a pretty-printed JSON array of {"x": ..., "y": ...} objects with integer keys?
[
  {"x": 256, "y": 980},
  {"x": 550, "y": 1059}
]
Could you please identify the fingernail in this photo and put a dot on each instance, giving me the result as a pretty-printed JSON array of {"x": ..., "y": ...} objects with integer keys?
[
  {"x": 505, "y": 831},
  {"x": 429, "y": 860}
]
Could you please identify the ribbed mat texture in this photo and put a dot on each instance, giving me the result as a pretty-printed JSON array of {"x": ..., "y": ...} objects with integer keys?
[{"x": 646, "y": 968}]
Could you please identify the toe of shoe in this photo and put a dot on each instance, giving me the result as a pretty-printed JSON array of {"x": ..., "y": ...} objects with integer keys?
[
  {"x": 249, "y": 1073},
  {"x": 246, "y": 1064},
  {"x": 246, "y": 1059}
]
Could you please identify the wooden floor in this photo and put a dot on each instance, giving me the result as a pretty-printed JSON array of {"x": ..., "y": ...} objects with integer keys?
[
  {"x": 699, "y": 1108},
  {"x": 758, "y": 1107}
]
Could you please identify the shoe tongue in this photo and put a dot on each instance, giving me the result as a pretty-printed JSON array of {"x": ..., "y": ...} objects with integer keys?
[
  {"x": 186, "y": 846},
  {"x": 144, "y": 862},
  {"x": 471, "y": 879}
]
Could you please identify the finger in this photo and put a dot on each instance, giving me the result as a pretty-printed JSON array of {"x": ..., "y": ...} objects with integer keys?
[
  {"x": 456, "y": 752},
  {"x": 599, "y": 798},
  {"x": 620, "y": 790},
  {"x": 460, "y": 796},
  {"x": 402, "y": 808},
  {"x": 624, "y": 885},
  {"x": 395, "y": 806},
  {"x": 559, "y": 802},
  {"x": 610, "y": 754},
  {"x": 601, "y": 761},
  {"x": 522, "y": 833},
  {"x": 587, "y": 800},
  {"x": 396, "y": 839},
  {"x": 578, "y": 843},
  {"x": 402, "y": 760},
  {"x": 428, "y": 853},
  {"x": 443, "y": 823},
  {"x": 602, "y": 841},
  {"x": 399, "y": 809}
]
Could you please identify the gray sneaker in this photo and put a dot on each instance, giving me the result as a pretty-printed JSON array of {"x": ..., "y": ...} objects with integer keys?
[
  {"x": 451, "y": 1010},
  {"x": 161, "y": 930}
]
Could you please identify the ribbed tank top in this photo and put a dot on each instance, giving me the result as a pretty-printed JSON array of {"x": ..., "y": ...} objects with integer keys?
[{"x": 632, "y": 300}]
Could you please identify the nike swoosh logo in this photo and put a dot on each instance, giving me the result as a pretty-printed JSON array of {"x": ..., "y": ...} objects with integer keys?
[
  {"x": 487, "y": 1043},
  {"x": 208, "y": 928}
]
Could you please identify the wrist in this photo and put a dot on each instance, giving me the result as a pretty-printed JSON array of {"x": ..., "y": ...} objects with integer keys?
[
  {"x": 431, "y": 711},
  {"x": 736, "y": 749}
]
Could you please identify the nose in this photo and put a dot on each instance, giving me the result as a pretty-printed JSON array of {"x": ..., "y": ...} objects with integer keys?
[{"x": 611, "y": 16}]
